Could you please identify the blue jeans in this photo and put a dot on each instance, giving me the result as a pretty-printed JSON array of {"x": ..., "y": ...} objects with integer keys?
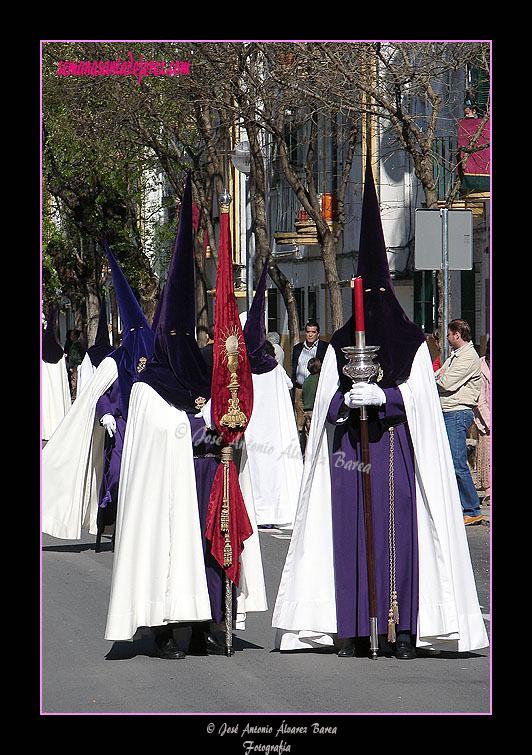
[{"x": 457, "y": 424}]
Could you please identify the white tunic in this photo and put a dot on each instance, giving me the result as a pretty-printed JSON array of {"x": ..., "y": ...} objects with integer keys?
[
  {"x": 159, "y": 569},
  {"x": 273, "y": 453},
  {"x": 449, "y": 615},
  {"x": 72, "y": 462},
  {"x": 55, "y": 396}
]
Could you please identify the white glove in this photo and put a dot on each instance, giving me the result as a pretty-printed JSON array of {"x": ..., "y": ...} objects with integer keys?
[
  {"x": 109, "y": 422},
  {"x": 364, "y": 394},
  {"x": 205, "y": 413}
]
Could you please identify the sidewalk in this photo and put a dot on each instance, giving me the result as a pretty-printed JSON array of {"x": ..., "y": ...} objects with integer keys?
[{"x": 486, "y": 512}]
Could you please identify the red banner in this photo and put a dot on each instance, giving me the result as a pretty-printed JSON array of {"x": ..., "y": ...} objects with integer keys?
[
  {"x": 229, "y": 349},
  {"x": 228, "y": 523},
  {"x": 478, "y": 163}
]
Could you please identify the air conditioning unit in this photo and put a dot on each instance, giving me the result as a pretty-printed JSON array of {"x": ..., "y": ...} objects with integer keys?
[{"x": 288, "y": 252}]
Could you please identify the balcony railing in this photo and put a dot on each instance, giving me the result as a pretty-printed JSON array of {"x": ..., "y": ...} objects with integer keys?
[{"x": 444, "y": 162}]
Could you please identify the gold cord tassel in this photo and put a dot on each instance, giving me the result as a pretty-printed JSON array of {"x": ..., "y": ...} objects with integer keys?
[
  {"x": 393, "y": 614},
  {"x": 227, "y": 454}
]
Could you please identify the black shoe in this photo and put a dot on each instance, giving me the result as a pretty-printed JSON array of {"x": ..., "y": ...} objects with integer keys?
[
  {"x": 205, "y": 643},
  {"x": 214, "y": 647},
  {"x": 405, "y": 651},
  {"x": 166, "y": 647},
  {"x": 349, "y": 649},
  {"x": 385, "y": 649}
]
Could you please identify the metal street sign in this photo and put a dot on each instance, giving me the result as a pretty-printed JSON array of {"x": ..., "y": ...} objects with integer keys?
[{"x": 436, "y": 239}]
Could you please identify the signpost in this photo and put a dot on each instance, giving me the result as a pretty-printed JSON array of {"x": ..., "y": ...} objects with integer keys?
[{"x": 444, "y": 241}]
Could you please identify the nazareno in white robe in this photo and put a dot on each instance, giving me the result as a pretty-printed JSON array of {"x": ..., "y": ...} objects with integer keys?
[
  {"x": 272, "y": 462},
  {"x": 159, "y": 570},
  {"x": 449, "y": 615},
  {"x": 72, "y": 462},
  {"x": 55, "y": 396},
  {"x": 85, "y": 371}
]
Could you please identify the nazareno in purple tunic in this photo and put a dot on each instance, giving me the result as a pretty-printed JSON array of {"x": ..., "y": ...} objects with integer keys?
[
  {"x": 206, "y": 450},
  {"x": 109, "y": 403},
  {"x": 349, "y": 546}
]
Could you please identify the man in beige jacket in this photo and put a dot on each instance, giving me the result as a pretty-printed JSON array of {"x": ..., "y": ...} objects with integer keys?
[{"x": 458, "y": 382}]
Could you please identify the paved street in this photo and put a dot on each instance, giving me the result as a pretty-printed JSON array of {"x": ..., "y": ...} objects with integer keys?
[{"x": 83, "y": 673}]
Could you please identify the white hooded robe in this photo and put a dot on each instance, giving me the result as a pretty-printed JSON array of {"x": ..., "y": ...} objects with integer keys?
[{"x": 449, "y": 615}]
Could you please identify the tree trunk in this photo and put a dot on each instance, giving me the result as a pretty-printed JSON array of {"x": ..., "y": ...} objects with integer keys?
[
  {"x": 331, "y": 276},
  {"x": 259, "y": 226},
  {"x": 92, "y": 304},
  {"x": 149, "y": 297},
  {"x": 202, "y": 313}
]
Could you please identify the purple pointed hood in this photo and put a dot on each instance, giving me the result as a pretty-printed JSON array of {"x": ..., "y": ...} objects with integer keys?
[
  {"x": 137, "y": 336},
  {"x": 102, "y": 346},
  {"x": 177, "y": 370},
  {"x": 254, "y": 336},
  {"x": 52, "y": 351},
  {"x": 385, "y": 321}
]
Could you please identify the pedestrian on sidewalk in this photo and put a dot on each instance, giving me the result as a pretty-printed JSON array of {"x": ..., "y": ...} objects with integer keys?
[
  {"x": 308, "y": 392},
  {"x": 312, "y": 346},
  {"x": 458, "y": 382},
  {"x": 482, "y": 419}
]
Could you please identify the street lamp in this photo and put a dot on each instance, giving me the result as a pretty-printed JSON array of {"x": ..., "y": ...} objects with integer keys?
[{"x": 241, "y": 159}]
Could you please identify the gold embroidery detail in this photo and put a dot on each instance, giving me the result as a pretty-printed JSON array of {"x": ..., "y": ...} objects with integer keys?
[
  {"x": 227, "y": 457},
  {"x": 231, "y": 347}
]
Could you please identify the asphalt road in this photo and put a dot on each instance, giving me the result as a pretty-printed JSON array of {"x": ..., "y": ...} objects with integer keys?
[{"x": 84, "y": 674}]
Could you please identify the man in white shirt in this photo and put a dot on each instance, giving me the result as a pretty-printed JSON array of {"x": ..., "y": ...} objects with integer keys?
[
  {"x": 311, "y": 347},
  {"x": 458, "y": 382}
]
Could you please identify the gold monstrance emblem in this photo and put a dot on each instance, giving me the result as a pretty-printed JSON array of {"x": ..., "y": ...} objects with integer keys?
[{"x": 230, "y": 349}]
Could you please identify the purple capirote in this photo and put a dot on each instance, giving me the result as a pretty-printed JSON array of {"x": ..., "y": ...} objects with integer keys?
[{"x": 349, "y": 545}]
